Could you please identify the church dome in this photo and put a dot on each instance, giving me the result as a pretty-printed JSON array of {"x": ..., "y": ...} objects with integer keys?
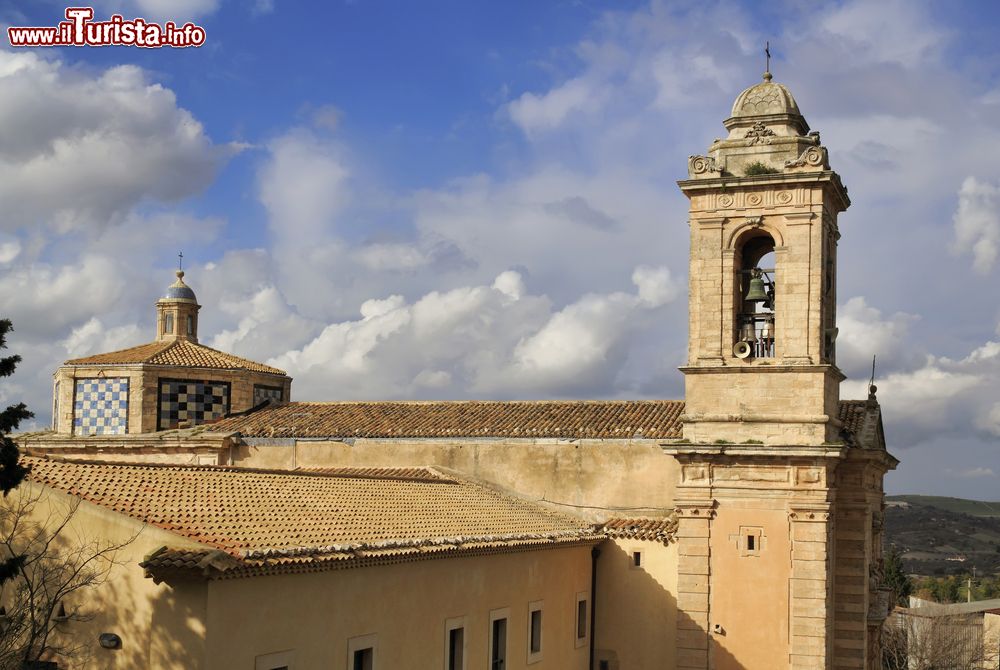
[
  {"x": 766, "y": 97},
  {"x": 179, "y": 290}
]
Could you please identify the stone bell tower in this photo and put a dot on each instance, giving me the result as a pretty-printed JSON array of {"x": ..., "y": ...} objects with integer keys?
[
  {"x": 763, "y": 218},
  {"x": 177, "y": 312},
  {"x": 780, "y": 498}
]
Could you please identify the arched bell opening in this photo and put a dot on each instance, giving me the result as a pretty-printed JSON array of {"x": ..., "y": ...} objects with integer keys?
[{"x": 754, "y": 335}]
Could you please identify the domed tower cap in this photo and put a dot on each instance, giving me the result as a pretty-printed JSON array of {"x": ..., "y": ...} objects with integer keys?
[
  {"x": 769, "y": 102},
  {"x": 180, "y": 291}
]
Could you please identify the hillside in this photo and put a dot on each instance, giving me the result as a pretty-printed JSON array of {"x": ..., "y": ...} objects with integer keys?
[
  {"x": 960, "y": 505},
  {"x": 939, "y": 536}
]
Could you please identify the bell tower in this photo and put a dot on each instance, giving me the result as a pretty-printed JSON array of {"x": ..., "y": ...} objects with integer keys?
[
  {"x": 763, "y": 222},
  {"x": 779, "y": 498}
]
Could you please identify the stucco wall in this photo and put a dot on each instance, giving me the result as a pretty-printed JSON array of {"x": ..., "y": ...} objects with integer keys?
[
  {"x": 636, "y": 605},
  {"x": 596, "y": 477},
  {"x": 160, "y": 627},
  {"x": 406, "y": 607}
]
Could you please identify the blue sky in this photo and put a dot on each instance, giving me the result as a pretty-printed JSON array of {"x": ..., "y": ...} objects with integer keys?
[{"x": 472, "y": 199}]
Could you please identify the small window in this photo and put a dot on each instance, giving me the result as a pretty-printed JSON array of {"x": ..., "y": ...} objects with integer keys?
[
  {"x": 498, "y": 639},
  {"x": 636, "y": 559},
  {"x": 168, "y": 324},
  {"x": 362, "y": 652},
  {"x": 190, "y": 325},
  {"x": 582, "y": 618},
  {"x": 535, "y": 632},
  {"x": 454, "y": 644},
  {"x": 282, "y": 660},
  {"x": 751, "y": 541}
]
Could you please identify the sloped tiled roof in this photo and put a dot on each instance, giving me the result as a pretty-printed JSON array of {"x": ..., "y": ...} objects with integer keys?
[
  {"x": 558, "y": 419},
  {"x": 415, "y": 474},
  {"x": 177, "y": 352},
  {"x": 653, "y": 419},
  {"x": 655, "y": 530},
  {"x": 269, "y": 518},
  {"x": 852, "y": 414}
]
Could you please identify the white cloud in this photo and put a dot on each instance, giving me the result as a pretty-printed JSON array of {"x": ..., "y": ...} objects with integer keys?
[
  {"x": 81, "y": 151},
  {"x": 972, "y": 473},
  {"x": 891, "y": 31},
  {"x": 484, "y": 340},
  {"x": 864, "y": 333},
  {"x": 977, "y": 223},
  {"x": 179, "y": 11},
  {"x": 92, "y": 338},
  {"x": 540, "y": 112}
]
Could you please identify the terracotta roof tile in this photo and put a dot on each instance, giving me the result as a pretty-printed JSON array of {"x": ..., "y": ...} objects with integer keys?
[
  {"x": 178, "y": 352},
  {"x": 653, "y": 419},
  {"x": 560, "y": 419},
  {"x": 264, "y": 517},
  {"x": 415, "y": 474},
  {"x": 656, "y": 530}
]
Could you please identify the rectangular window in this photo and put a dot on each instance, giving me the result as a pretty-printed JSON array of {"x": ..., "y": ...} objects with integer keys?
[
  {"x": 282, "y": 660},
  {"x": 262, "y": 393},
  {"x": 362, "y": 652},
  {"x": 751, "y": 541},
  {"x": 535, "y": 632},
  {"x": 582, "y": 618},
  {"x": 454, "y": 643},
  {"x": 100, "y": 406},
  {"x": 498, "y": 639},
  {"x": 363, "y": 658},
  {"x": 168, "y": 324},
  {"x": 190, "y": 325},
  {"x": 191, "y": 402}
]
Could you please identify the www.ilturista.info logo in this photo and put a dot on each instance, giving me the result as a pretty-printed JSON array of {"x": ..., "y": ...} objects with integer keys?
[{"x": 80, "y": 30}]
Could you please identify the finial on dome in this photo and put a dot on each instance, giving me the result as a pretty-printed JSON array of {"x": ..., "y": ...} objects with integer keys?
[
  {"x": 180, "y": 274},
  {"x": 767, "y": 61}
]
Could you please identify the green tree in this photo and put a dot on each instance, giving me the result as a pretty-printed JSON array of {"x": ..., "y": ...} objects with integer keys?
[
  {"x": 896, "y": 577},
  {"x": 11, "y": 469}
]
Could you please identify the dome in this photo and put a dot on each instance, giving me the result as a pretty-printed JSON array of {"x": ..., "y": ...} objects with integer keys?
[
  {"x": 179, "y": 290},
  {"x": 767, "y": 97}
]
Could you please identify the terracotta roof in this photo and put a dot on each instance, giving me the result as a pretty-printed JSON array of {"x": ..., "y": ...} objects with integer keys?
[
  {"x": 177, "y": 352},
  {"x": 474, "y": 418},
  {"x": 653, "y": 419},
  {"x": 413, "y": 474},
  {"x": 272, "y": 519},
  {"x": 852, "y": 414},
  {"x": 656, "y": 530}
]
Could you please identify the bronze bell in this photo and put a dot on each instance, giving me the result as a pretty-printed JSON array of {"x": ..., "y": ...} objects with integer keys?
[{"x": 756, "y": 292}]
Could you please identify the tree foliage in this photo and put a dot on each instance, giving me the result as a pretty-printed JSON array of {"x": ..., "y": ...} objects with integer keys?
[
  {"x": 12, "y": 472},
  {"x": 896, "y": 578}
]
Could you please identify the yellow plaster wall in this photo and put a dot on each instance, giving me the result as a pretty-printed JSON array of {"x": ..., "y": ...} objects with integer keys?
[
  {"x": 160, "y": 626},
  {"x": 636, "y": 606},
  {"x": 583, "y": 476},
  {"x": 406, "y": 607}
]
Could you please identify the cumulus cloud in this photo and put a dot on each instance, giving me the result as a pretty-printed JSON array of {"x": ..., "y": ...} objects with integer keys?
[
  {"x": 977, "y": 223},
  {"x": 865, "y": 332},
  {"x": 485, "y": 340},
  {"x": 179, "y": 11},
  {"x": 539, "y": 112},
  {"x": 81, "y": 150}
]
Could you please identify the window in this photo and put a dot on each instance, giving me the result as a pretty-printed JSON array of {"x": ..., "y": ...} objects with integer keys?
[
  {"x": 535, "y": 631},
  {"x": 498, "y": 639},
  {"x": 454, "y": 644},
  {"x": 190, "y": 325},
  {"x": 755, "y": 281},
  {"x": 582, "y": 618},
  {"x": 168, "y": 323},
  {"x": 281, "y": 660},
  {"x": 636, "y": 559},
  {"x": 363, "y": 658},
  {"x": 751, "y": 541},
  {"x": 362, "y": 652}
]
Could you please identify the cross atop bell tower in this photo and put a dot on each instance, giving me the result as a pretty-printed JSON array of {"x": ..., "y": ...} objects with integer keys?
[{"x": 763, "y": 221}]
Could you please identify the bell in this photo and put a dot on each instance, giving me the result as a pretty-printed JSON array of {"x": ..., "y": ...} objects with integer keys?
[
  {"x": 767, "y": 332},
  {"x": 749, "y": 333},
  {"x": 756, "y": 292}
]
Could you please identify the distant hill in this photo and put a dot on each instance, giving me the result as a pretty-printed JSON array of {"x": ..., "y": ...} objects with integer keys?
[
  {"x": 943, "y": 536},
  {"x": 960, "y": 505}
]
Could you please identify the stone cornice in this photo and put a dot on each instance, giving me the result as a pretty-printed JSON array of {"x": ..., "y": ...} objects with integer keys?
[{"x": 723, "y": 182}]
